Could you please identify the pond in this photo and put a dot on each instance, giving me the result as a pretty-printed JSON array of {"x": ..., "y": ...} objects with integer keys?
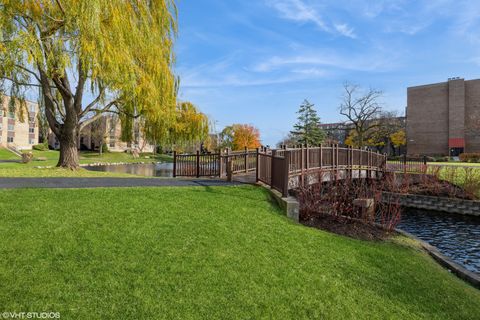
[
  {"x": 456, "y": 236},
  {"x": 147, "y": 169}
]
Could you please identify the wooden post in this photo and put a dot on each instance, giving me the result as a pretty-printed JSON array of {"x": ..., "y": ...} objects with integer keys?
[
  {"x": 229, "y": 170},
  {"x": 198, "y": 164},
  {"x": 369, "y": 163},
  {"x": 307, "y": 157},
  {"x": 302, "y": 166},
  {"x": 349, "y": 163},
  {"x": 286, "y": 173},
  {"x": 321, "y": 156},
  {"x": 257, "y": 164},
  {"x": 246, "y": 159},
  {"x": 220, "y": 163},
  {"x": 337, "y": 161},
  {"x": 333, "y": 160},
  {"x": 174, "y": 164},
  {"x": 272, "y": 168}
]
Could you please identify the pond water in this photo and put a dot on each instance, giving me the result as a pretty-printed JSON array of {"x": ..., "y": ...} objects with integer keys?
[
  {"x": 147, "y": 169},
  {"x": 456, "y": 236}
]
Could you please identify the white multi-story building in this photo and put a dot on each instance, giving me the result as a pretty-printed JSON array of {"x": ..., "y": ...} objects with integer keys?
[{"x": 18, "y": 129}]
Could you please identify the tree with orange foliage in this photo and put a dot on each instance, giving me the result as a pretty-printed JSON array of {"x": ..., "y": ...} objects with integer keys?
[{"x": 240, "y": 136}]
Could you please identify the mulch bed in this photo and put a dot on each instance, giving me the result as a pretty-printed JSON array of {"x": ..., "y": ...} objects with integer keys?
[
  {"x": 348, "y": 227},
  {"x": 440, "y": 189}
]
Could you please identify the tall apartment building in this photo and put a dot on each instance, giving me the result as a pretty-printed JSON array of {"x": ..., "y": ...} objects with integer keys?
[
  {"x": 444, "y": 118},
  {"x": 21, "y": 135}
]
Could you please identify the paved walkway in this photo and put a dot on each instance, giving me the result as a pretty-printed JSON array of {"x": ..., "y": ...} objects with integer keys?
[{"x": 16, "y": 183}]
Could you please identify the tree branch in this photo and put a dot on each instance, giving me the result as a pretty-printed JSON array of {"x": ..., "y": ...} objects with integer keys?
[
  {"x": 82, "y": 78},
  {"x": 22, "y": 83},
  {"x": 99, "y": 114},
  {"x": 92, "y": 104}
]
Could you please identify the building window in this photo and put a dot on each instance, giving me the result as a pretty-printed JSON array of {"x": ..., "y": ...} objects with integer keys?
[
  {"x": 1, "y": 125},
  {"x": 32, "y": 141},
  {"x": 11, "y": 127},
  {"x": 112, "y": 144},
  {"x": 11, "y": 115},
  {"x": 10, "y": 139},
  {"x": 31, "y": 130}
]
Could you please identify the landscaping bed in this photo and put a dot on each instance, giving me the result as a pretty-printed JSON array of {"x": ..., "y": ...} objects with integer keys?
[{"x": 349, "y": 227}]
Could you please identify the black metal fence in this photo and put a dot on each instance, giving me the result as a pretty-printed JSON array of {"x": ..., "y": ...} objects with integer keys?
[{"x": 406, "y": 165}]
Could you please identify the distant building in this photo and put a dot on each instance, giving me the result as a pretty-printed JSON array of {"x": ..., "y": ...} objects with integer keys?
[
  {"x": 444, "y": 118},
  {"x": 338, "y": 132},
  {"x": 17, "y": 134},
  {"x": 107, "y": 130}
]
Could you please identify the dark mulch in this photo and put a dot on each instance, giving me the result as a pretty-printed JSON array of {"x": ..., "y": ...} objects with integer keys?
[
  {"x": 440, "y": 189},
  {"x": 348, "y": 227}
]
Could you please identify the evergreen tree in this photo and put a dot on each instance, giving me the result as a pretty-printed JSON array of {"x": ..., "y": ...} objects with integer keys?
[{"x": 307, "y": 129}]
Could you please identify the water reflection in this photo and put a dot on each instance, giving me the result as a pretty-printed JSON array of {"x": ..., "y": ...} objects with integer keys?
[
  {"x": 147, "y": 169},
  {"x": 456, "y": 236}
]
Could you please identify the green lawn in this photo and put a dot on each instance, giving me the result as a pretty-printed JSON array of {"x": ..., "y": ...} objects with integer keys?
[
  {"x": 50, "y": 159},
  {"x": 205, "y": 253},
  {"x": 8, "y": 155},
  {"x": 454, "y": 163}
]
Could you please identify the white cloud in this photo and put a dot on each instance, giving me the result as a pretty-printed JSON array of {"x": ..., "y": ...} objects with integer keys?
[
  {"x": 297, "y": 10},
  {"x": 316, "y": 72},
  {"x": 381, "y": 61},
  {"x": 226, "y": 73},
  {"x": 345, "y": 30}
]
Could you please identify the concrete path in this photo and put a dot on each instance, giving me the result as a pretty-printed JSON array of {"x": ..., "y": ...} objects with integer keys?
[{"x": 16, "y": 183}]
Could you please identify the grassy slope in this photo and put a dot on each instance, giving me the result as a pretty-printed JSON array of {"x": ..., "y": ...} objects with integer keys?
[
  {"x": 205, "y": 253},
  {"x": 51, "y": 156},
  {"x": 8, "y": 155}
]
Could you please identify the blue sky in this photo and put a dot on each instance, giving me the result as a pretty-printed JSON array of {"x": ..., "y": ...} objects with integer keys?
[{"x": 255, "y": 61}]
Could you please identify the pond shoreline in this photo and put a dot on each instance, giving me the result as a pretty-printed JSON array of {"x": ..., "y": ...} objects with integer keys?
[
  {"x": 441, "y": 204},
  {"x": 446, "y": 262},
  {"x": 145, "y": 169}
]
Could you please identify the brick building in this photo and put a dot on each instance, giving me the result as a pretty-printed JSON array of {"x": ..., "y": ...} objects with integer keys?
[
  {"x": 444, "y": 118},
  {"x": 15, "y": 132}
]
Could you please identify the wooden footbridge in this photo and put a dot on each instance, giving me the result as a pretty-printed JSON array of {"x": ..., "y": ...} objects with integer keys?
[{"x": 283, "y": 169}]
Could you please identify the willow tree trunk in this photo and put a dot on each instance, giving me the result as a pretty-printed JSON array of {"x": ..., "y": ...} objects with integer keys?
[{"x": 68, "y": 149}]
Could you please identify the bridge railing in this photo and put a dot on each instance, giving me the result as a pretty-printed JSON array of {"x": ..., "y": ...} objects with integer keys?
[
  {"x": 213, "y": 164},
  {"x": 278, "y": 167}
]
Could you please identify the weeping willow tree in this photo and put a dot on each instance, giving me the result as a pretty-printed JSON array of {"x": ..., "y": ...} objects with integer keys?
[
  {"x": 190, "y": 125},
  {"x": 88, "y": 58}
]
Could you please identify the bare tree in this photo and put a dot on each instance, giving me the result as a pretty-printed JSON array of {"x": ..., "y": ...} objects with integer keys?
[
  {"x": 98, "y": 133},
  {"x": 360, "y": 108}
]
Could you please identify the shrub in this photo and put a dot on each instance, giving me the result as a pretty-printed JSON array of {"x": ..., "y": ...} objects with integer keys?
[
  {"x": 104, "y": 148},
  {"x": 442, "y": 159},
  {"x": 470, "y": 157},
  {"x": 27, "y": 157},
  {"x": 336, "y": 199},
  {"x": 41, "y": 146}
]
